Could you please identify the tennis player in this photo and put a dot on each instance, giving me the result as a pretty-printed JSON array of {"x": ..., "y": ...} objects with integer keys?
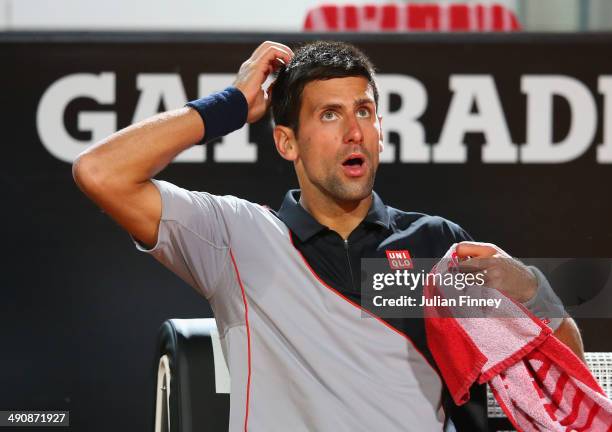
[{"x": 303, "y": 353}]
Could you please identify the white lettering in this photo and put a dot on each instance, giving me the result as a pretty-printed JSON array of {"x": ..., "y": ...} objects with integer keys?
[
  {"x": 604, "y": 151},
  {"x": 540, "y": 147},
  {"x": 378, "y": 278},
  {"x": 168, "y": 90},
  {"x": 490, "y": 120},
  {"x": 53, "y": 103},
  {"x": 413, "y": 101}
]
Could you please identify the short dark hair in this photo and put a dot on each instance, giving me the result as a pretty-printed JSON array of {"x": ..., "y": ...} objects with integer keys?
[{"x": 313, "y": 61}]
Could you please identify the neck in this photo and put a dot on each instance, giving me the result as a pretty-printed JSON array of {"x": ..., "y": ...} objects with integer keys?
[{"x": 339, "y": 216}]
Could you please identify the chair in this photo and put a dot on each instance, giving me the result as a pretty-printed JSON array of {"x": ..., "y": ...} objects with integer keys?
[{"x": 193, "y": 380}]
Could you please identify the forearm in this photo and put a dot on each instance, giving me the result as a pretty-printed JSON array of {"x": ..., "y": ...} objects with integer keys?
[
  {"x": 546, "y": 305},
  {"x": 138, "y": 152},
  {"x": 569, "y": 334}
]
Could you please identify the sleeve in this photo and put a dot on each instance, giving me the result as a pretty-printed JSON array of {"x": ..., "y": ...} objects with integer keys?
[
  {"x": 453, "y": 232},
  {"x": 459, "y": 234},
  {"x": 193, "y": 236},
  {"x": 442, "y": 234},
  {"x": 545, "y": 304}
]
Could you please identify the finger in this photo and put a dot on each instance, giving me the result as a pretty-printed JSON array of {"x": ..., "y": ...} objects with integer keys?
[
  {"x": 474, "y": 265},
  {"x": 269, "y": 62},
  {"x": 267, "y": 45},
  {"x": 475, "y": 249},
  {"x": 283, "y": 47},
  {"x": 261, "y": 48},
  {"x": 272, "y": 54}
]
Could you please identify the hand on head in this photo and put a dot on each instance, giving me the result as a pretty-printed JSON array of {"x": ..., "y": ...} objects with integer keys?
[{"x": 266, "y": 59}]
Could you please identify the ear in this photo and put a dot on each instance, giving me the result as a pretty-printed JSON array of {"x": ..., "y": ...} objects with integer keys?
[
  {"x": 381, "y": 146},
  {"x": 284, "y": 140}
]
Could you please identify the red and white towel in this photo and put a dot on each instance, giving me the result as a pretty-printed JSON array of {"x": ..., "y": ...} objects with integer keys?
[{"x": 539, "y": 383}]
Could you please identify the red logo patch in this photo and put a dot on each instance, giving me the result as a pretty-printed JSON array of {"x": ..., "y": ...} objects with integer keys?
[{"x": 399, "y": 259}]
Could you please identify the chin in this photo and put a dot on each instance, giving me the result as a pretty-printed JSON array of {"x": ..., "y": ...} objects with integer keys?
[{"x": 351, "y": 192}]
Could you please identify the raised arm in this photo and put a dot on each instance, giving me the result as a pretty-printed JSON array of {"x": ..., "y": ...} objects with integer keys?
[{"x": 115, "y": 173}]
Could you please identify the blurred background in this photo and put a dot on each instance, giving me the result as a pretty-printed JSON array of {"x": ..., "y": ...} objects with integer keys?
[
  {"x": 267, "y": 16},
  {"x": 498, "y": 116}
]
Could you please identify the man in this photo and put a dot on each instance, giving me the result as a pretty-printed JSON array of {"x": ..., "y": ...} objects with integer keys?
[{"x": 284, "y": 287}]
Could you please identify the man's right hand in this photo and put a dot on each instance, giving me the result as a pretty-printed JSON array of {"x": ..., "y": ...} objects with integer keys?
[{"x": 266, "y": 59}]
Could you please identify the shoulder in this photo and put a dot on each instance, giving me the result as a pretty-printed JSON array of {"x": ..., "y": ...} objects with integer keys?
[
  {"x": 193, "y": 207},
  {"x": 402, "y": 220},
  {"x": 432, "y": 233}
]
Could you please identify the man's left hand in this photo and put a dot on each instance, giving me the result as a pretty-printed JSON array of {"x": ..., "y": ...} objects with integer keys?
[{"x": 501, "y": 271}]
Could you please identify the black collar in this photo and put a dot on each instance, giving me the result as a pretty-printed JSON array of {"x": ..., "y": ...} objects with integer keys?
[{"x": 305, "y": 226}]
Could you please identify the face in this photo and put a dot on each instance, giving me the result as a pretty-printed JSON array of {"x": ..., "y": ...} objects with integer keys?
[{"x": 339, "y": 139}]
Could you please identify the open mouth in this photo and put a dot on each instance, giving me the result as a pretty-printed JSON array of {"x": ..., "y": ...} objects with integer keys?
[
  {"x": 354, "y": 165},
  {"x": 353, "y": 161}
]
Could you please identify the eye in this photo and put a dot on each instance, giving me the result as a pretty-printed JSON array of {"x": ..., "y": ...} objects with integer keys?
[
  {"x": 328, "y": 115},
  {"x": 363, "y": 112}
]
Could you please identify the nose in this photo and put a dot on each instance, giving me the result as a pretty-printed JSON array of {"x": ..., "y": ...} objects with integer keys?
[{"x": 353, "y": 133}]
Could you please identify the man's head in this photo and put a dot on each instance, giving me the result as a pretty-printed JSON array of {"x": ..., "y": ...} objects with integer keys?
[
  {"x": 319, "y": 60},
  {"x": 324, "y": 104}
]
